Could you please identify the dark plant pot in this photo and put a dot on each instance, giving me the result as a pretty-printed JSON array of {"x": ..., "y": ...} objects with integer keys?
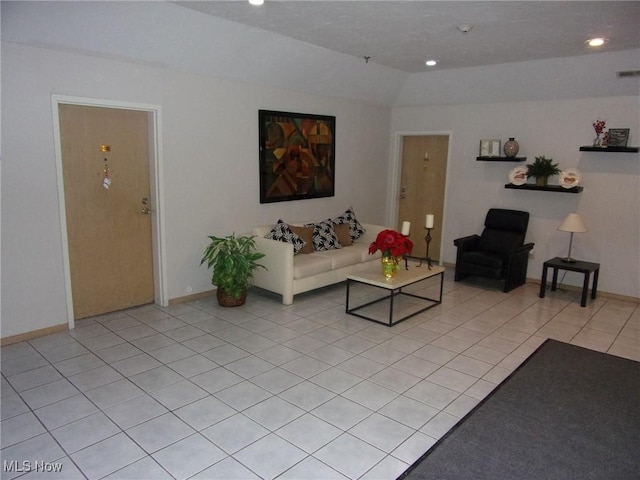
[
  {"x": 542, "y": 181},
  {"x": 226, "y": 300}
]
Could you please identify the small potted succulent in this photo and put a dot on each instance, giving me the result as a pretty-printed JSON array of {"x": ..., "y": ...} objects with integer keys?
[
  {"x": 542, "y": 169},
  {"x": 233, "y": 259}
]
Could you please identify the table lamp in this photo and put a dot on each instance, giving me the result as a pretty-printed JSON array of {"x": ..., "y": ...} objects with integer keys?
[{"x": 573, "y": 224}]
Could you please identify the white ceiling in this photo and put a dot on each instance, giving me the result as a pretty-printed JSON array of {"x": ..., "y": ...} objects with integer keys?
[{"x": 403, "y": 34}]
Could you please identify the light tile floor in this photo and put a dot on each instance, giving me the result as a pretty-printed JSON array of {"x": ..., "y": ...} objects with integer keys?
[{"x": 270, "y": 391}]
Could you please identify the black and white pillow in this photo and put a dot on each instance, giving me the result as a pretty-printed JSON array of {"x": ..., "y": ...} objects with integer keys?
[
  {"x": 355, "y": 227},
  {"x": 283, "y": 233},
  {"x": 324, "y": 236}
]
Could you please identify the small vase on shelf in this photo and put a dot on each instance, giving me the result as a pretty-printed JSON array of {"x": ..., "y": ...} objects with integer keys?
[
  {"x": 511, "y": 147},
  {"x": 599, "y": 126},
  {"x": 599, "y": 141}
]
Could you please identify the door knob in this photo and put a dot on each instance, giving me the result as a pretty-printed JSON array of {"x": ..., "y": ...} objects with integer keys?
[{"x": 146, "y": 210}]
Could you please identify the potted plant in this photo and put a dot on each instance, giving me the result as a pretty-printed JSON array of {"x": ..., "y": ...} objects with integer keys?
[
  {"x": 542, "y": 169},
  {"x": 233, "y": 259}
]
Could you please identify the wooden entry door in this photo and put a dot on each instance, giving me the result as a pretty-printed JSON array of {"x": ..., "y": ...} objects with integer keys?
[
  {"x": 423, "y": 178},
  {"x": 108, "y": 229}
]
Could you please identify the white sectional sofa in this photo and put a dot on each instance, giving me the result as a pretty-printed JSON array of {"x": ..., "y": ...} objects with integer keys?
[{"x": 289, "y": 274}]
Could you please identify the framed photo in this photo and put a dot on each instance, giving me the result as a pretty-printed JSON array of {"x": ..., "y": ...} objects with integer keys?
[
  {"x": 618, "y": 137},
  {"x": 297, "y": 156},
  {"x": 490, "y": 148}
]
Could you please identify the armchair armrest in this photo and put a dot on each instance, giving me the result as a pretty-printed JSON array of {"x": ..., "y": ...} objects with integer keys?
[
  {"x": 526, "y": 248},
  {"x": 467, "y": 243},
  {"x": 516, "y": 268}
]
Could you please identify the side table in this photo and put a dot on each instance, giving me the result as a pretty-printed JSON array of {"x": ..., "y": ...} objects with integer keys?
[{"x": 579, "y": 266}]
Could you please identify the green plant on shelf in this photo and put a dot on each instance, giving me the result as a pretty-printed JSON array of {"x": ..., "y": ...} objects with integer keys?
[{"x": 541, "y": 169}]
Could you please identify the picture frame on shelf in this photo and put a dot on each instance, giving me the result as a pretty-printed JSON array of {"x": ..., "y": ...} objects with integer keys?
[
  {"x": 618, "y": 137},
  {"x": 490, "y": 148},
  {"x": 297, "y": 156}
]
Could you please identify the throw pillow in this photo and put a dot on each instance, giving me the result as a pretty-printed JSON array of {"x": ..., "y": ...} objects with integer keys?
[
  {"x": 283, "y": 233},
  {"x": 306, "y": 234},
  {"x": 355, "y": 227},
  {"x": 343, "y": 234},
  {"x": 324, "y": 236}
]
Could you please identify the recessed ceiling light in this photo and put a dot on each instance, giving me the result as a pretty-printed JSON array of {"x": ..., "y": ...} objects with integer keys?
[
  {"x": 597, "y": 42},
  {"x": 430, "y": 63},
  {"x": 256, "y": 2}
]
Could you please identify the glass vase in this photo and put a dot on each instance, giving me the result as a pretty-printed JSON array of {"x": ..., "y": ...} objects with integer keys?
[
  {"x": 599, "y": 140},
  {"x": 389, "y": 266}
]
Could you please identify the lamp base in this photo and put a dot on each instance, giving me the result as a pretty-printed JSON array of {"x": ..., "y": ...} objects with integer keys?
[{"x": 569, "y": 260}]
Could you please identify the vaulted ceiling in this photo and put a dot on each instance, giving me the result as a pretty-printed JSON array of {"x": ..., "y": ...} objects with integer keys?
[{"x": 403, "y": 34}]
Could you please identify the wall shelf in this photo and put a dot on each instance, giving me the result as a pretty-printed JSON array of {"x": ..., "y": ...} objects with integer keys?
[
  {"x": 610, "y": 149},
  {"x": 548, "y": 188},
  {"x": 501, "y": 159}
]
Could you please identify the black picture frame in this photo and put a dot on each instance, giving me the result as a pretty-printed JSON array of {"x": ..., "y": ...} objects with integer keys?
[
  {"x": 297, "y": 156},
  {"x": 618, "y": 137}
]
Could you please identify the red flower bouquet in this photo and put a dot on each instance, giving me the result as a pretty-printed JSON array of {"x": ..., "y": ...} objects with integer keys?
[
  {"x": 391, "y": 244},
  {"x": 599, "y": 125}
]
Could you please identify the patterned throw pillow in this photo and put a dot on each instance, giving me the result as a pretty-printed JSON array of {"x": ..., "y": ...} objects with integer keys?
[
  {"x": 324, "y": 236},
  {"x": 283, "y": 233},
  {"x": 355, "y": 228}
]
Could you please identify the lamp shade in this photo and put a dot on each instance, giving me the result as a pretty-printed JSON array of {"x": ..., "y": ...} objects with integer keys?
[{"x": 573, "y": 223}]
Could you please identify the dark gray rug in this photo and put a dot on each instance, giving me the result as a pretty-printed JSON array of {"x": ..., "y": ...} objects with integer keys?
[{"x": 566, "y": 413}]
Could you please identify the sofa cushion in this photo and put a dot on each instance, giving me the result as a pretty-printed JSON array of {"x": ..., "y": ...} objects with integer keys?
[
  {"x": 306, "y": 234},
  {"x": 309, "y": 265},
  {"x": 341, "y": 258},
  {"x": 283, "y": 233},
  {"x": 363, "y": 252},
  {"x": 343, "y": 234},
  {"x": 324, "y": 236},
  {"x": 355, "y": 227}
]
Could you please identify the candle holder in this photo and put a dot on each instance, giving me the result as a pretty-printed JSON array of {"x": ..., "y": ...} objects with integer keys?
[
  {"x": 426, "y": 258},
  {"x": 406, "y": 257}
]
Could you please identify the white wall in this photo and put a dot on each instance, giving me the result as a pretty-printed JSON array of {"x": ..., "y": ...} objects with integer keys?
[
  {"x": 210, "y": 167},
  {"x": 582, "y": 76},
  {"x": 164, "y": 34},
  {"x": 210, "y": 137},
  {"x": 609, "y": 204}
]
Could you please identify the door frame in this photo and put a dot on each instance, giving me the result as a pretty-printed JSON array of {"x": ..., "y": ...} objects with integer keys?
[
  {"x": 395, "y": 177},
  {"x": 155, "y": 182}
]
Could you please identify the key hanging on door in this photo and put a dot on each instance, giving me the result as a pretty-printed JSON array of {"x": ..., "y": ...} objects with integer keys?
[{"x": 106, "y": 181}]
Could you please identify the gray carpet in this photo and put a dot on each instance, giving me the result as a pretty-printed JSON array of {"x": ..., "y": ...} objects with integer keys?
[{"x": 566, "y": 413}]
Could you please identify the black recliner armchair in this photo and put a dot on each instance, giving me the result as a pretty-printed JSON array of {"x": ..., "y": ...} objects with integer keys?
[{"x": 500, "y": 252}]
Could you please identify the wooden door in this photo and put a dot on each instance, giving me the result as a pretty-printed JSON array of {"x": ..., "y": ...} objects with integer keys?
[
  {"x": 423, "y": 178},
  {"x": 109, "y": 229}
]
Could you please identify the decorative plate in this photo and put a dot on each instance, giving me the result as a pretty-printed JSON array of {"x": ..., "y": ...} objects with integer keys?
[
  {"x": 518, "y": 176},
  {"x": 570, "y": 178}
]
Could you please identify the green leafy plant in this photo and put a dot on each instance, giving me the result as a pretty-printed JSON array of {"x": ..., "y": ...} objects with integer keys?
[
  {"x": 233, "y": 259},
  {"x": 542, "y": 167}
]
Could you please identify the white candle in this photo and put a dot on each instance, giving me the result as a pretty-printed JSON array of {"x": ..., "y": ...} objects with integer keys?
[
  {"x": 429, "y": 222},
  {"x": 406, "y": 227}
]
